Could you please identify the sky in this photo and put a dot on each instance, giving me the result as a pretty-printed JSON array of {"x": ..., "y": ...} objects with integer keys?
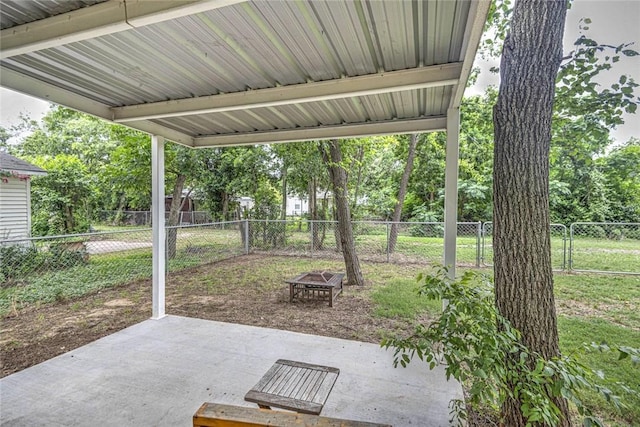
[{"x": 613, "y": 22}]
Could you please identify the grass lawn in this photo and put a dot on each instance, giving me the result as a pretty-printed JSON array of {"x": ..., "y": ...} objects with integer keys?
[
  {"x": 606, "y": 254},
  {"x": 603, "y": 309}
]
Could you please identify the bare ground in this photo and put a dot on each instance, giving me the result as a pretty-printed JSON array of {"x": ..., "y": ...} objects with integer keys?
[{"x": 38, "y": 333}]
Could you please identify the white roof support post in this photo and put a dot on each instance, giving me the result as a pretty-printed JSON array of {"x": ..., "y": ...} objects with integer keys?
[
  {"x": 157, "y": 218},
  {"x": 451, "y": 190}
]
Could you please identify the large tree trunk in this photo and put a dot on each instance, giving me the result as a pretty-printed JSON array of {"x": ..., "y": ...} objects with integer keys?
[
  {"x": 225, "y": 207},
  {"x": 333, "y": 160},
  {"x": 359, "y": 166},
  {"x": 69, "y": 221},
  {"x": 174, "y": 215},
  {"x": 336, "y": 230},
  {"x": 117, "y": 220},
  {"x": 402, "y": 192},
  {"x": 522, "y": 120}
]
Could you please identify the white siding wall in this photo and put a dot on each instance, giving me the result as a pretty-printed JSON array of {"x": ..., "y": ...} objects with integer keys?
[
  {"x": 14, "y": 208},
  {"x": 297, "y": 205}
]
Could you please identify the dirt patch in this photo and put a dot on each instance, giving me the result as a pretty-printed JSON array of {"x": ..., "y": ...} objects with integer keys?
[
  {"x": 38, "y": 333},
  {"x": 600, "y": 310}
]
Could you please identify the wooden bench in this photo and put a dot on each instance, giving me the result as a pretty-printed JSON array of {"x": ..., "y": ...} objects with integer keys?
[
  {"x": 295, "y": 386},
  {"x": 219, "y": 415},
  {"x": 321, "y": 285}
]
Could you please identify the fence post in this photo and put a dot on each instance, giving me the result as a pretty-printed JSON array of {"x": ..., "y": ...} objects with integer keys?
[
  {"x": 571, "y": 247},
  {"x": 311, "y": 236},
  {"x": 166, "y": 252},
  {"x": 388, "y": 238},
  {"x": 478, "y": 241},
  {"x": 246, "y": 236},
  {"x": 564, "y": 247},
  {"x": 484, "y": 233}
]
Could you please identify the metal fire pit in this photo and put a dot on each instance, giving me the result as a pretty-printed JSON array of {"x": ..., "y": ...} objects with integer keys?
[{"x": 316, "y": 285}]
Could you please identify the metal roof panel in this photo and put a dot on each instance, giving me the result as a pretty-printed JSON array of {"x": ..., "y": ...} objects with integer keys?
[{"x": 242, "y": 47}]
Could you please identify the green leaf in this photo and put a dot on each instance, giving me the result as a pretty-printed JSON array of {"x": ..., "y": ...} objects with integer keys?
[{"x": 629, "y": 52}]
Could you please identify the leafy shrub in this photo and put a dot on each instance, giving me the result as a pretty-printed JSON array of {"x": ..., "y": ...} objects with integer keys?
[
  {"x": 267, "y": 234},
  {"x": 421, "y": 214},
  {"x": 61, "y": 256},
  {"x": 633, "y": 232},
  {"x": 597, "y": 232},
  {"x": 480, "y": 347},
  {"x": 18, "y": 261},
  {"x": 616, "y": 234},
  {"x": 426, "y": 230}
]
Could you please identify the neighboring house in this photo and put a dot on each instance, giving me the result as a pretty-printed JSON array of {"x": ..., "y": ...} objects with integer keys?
[
  {"x": 187, "y": 205},
  {"x": 245, "y": 202},
  {"x": 297, "y": 206},
  {"x": 189, "y": 213},
  {"x": 15, "y": 196}
]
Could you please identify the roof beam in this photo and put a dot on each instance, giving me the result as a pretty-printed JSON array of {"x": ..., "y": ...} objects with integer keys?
[
  {"x": 97, "y": 20},
  {"x": 473, "y": 34},
  {"x": 390, "y": 127},
  {"x": 371, "y": 84},
  {"x": 48, "y": 92}
]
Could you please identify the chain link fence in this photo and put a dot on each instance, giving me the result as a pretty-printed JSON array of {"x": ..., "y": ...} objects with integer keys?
[
  {"x": 376, "y": 241},
  {"x": 47, "y": 269},
  {"x": 605, "y": 247},
  {"x": 193, "y": 245},
  {"x": 143, "y": 218},
  {"x": 558, "y": 233},
  {"x": 54, "y": 268}
]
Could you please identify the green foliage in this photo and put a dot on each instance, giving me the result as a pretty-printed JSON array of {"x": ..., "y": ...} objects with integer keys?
[
  {"x": 98, "y": 273},
  {"x": 622, "y": 376},
  {"x": 480, "y": 348},
  {"x": 622, "y": 181},
  {"x": 421, "y": 214},
  {"x": 60, "y": 198},
  {"x": 18, "y": 262},
  {"x": 5, "y": 134},
  {"x": 585, "y": 112},
  {"x": 131, "y": 158}
]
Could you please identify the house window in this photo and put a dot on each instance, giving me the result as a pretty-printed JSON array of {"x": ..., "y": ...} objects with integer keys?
[{"x": 297, "y": 206}]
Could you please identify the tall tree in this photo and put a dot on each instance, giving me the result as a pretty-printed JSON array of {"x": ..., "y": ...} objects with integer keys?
[
  {"x": 531, "y": 57},
  {"x": 5, "y": 135},
  {"x": 621, "y": 167},
  {"x": 332, "y": 156},
  {"x": 402, "y": 192},
  {"x": 60, "y": 199}
]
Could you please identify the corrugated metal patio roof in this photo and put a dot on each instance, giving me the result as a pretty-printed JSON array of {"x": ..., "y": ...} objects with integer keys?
[{"x": 229, "y": 72}]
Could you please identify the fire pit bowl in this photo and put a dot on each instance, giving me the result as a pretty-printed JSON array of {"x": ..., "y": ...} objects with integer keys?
[{"x": 316, "y": 285}]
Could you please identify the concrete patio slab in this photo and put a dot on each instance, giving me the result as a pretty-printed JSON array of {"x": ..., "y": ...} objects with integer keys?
[{"x": 158, "y": 372}]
